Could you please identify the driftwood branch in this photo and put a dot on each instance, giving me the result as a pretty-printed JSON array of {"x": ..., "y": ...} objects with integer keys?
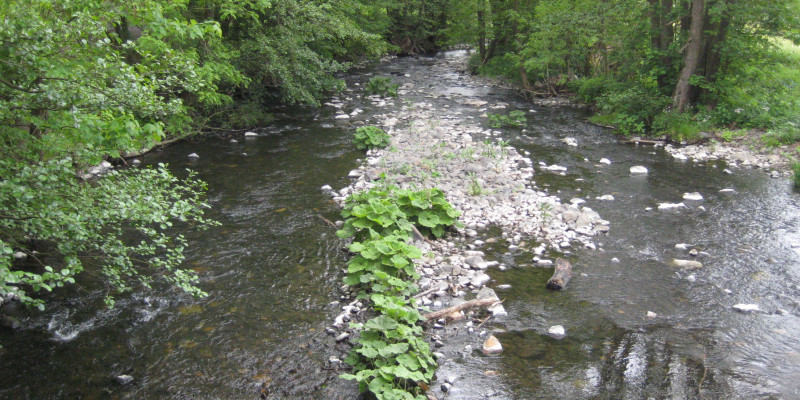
[
  {"x": 427, "y": 292},
  {"x": 327, "y": 221},
  {"x": 461, "y": 307},
  {"x": 420, "y": 236},
  {"x": 561, "y": 275}
]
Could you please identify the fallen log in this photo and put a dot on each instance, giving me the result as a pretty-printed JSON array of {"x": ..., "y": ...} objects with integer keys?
[
  {"x": 656, "y": 142},
  {"x": 461, "y": 307},
  {"x": 561, "y": 275}
]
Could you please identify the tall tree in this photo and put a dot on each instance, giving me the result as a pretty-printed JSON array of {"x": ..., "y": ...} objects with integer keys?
[{"x": 680, "y": 97}]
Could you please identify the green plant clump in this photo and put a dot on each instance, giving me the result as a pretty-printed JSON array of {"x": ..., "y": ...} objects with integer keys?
[
  {"x": 371, "y": 137},
  {"x": 796, "y": 173},
  {"x": 382, "y": 86},
  {"x": 514, "y": 119},
  {"x": 391, "y": 359}
]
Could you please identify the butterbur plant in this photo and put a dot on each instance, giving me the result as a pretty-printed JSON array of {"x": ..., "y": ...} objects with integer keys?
[
  {"x": 371, "y": 137},
  {"x": 382, "y": 86},
  {"x": 514, "y": 119},
  {"x": 390, "y": 358}
]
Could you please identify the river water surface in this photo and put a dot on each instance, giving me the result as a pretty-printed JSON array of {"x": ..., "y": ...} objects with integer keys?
[{"x": 272, "y": 270}]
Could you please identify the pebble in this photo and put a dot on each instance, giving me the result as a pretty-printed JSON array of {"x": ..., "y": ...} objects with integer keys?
[
  {"x": 492, "y": 346},
  {"x": 607, "y": 197},
  {"x": 342, "y": 337},
  {"x": 687, "y": 264},
  {"x": 123, "y": 379},
  {"x": 638, "y": 170},
  {"x": 651, "y": 315},
  {"x": 557, "y": 331},
  {"x": 694, "y": 196},
  {"x": 671, "y": 206},
  {"x": 250, "y": 134},
  {"x": 691, "y": 278},
  {"x": 605, "y": 161},
  {"x": 615, "y": 260},
  {"x": 746, "y": 308},
  {"x": 193, "y": 155}
]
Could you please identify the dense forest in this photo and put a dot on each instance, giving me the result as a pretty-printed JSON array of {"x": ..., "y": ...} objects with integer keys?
[{"x": 82, "y": 82}]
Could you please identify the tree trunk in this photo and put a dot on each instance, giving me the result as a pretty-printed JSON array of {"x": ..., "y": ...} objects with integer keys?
[
  {"x": 680, "y": 98},
  {"x": 666, "y": 36},
  {"x": 561, "y": 275},
  {"x": 482, "y": 35}
]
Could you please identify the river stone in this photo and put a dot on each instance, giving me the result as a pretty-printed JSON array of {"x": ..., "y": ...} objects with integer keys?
[
  {"x": 123, "y": 379},
  {"x": 694, "y": 196},
  {"x": 607, "y": 197},
  {"x": 492, "y": 346},
  {"x": 605, "y": 161},
  {"x": 638, "y": 170},
  {"x": 651, "y": 315},
  {"x": 571, "y": 214},
  {"x": 474, "y": 261},
  {"x": 687, "y": 264},
  {"x": 671, "y": 206},
  {"x": 250, "y": 134},
  {"x": 193, "y": 155},
  {"x": 557, "y": 331},
  {"x": 746, "y": 308},
  {"x": 480, "y": 280},
  {"x": 355, "y": 173}
]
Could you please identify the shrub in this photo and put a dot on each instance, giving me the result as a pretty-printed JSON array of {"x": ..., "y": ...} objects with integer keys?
[
  {"x": 382, "y": 86},
  {"x": 679, "y": 126},
  {"x": 514, "y": 119},
  {"x": 634, "y": 108},
  {"x": 371, "y": 137}
]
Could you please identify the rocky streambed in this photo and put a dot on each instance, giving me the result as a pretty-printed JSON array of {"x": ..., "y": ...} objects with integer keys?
[{"x": 494, "y": 187}]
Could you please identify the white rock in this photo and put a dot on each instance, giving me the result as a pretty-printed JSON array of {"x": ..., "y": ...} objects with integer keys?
[
  {"x": 687, "y": 264},
  {"x": 638, "y": 170},
  {"x": 570, "y": 141},
  {"x": 326, "y": 188},
  {"x": 355, "y": 173},
  {"x": 20, "y": 255},
  {"x": 651, "y": 315},
  {"x": 557, "y": 331},
  {"x": 727, "y": 191},
  {"x": 250, "y": 134},
  {"x": 193, "y": 155},
  {"x": 745, "y": 308},
  {"x": 682, "y": 246},
  {"x": 615, "y": 260},
  {"x": 693, "y": 196},
  {"x": 342, "y": 117},
  {"x": 680, "y": 156},
  {"x": 605, "y": 161},
  {"x": 671, "y": 206},
  {"x": 691, "y": 278},
  {"x": 607, "y": 197}
]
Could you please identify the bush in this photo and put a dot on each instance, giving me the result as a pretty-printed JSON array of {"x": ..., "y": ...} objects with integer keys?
[
  {"x": 634, "y": 108},
  {"x": 679, "y": 126},
  {"x": 382, "y": 86},
  {"x": 371, "y": 137},
  {"x": 590, "y": 89},
  {"x": 514, "y": 119}
]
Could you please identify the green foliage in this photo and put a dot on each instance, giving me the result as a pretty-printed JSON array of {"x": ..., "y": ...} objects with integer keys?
[
  {"x": 796, "y": 173},
  {"x": 381, "y": 86},
  {"x": 391, "y": 210},
  {"x": 371, "y": 137},
  {"x": 122, "y": 221},
  {"x": 391, "y": 359},
  {"x": 77, "y": 87},
  {"x": 633, "y": 109},
  {"x": 679, "y": 126},
  {"x": 514, "y": 119}
]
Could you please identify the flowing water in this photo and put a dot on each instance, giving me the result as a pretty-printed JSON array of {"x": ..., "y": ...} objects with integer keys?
[{"x": 272, "y": 270}]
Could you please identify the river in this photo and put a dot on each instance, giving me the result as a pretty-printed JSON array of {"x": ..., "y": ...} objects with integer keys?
[{"x": 272, "y": 271}]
